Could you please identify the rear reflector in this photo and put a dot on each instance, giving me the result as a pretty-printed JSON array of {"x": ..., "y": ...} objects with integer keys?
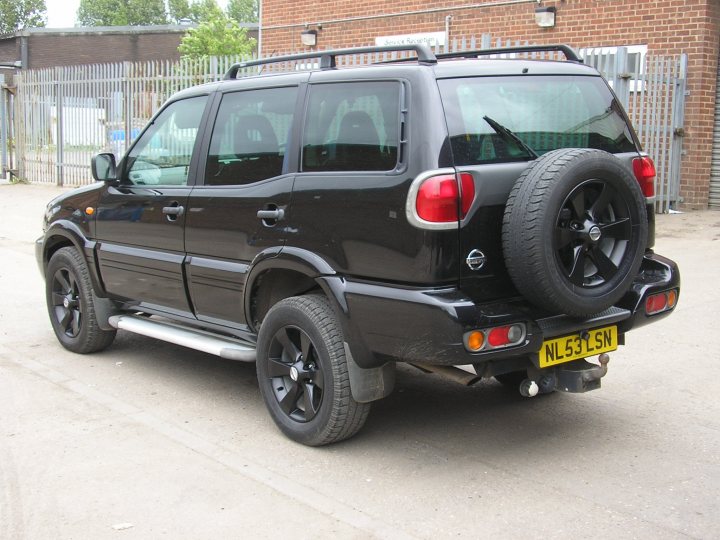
[{"x": 644, "y": 170}]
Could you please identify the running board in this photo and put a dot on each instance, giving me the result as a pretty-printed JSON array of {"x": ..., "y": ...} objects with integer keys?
[{"x": 187, "y": 337}]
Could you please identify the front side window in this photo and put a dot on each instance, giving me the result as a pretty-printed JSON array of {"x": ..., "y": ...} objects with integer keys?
[
  {"x": 544, "y": 112},
  {"x": 352, "y": 127},
  {"x": 162, "y": 154},
  {"x": 250, "y": 136}
]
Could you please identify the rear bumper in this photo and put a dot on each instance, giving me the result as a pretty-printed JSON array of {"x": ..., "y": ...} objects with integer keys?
[{"x": 427, "y": 325}]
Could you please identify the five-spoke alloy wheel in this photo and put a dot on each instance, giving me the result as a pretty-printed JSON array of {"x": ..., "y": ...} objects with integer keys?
[
  {"x": 303, "y": 373},
  {"x": 70, "y": 304},
  {"x": 575, "y": 231}
]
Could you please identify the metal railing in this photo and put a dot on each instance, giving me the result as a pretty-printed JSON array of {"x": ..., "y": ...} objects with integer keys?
[{"x": 65, "y": 115}]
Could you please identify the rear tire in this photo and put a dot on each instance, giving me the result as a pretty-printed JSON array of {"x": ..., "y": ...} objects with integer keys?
[
  {"x": 303, "y": 375},
  {"x": 68, "y": 292}
]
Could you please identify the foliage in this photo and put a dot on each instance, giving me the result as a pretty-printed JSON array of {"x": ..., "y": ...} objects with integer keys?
[
  {"x": 243, "y": 10},
  {"x": 121, "y": 12},
  {"x": 178, "y": 10},
  {"x": 18, "y": 14},
  {"x": 196, "y": 11},
  {"x": 216, "y": 36}
]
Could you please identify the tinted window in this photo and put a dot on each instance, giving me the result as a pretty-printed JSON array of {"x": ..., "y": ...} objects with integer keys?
[
  {"x": 162, "y": 154},
  {"x": 547, "y": 113},
  {"x": 250, "y": 136},
  {"x": 352, "y": 127}
]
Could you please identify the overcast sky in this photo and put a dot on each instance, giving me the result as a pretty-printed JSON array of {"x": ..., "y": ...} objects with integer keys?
[{"x": 61, "y": 13}]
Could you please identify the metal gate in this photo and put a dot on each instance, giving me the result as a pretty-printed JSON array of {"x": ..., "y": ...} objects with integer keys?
[
  {"x": 6, "y": 128},
  {"x": 65, "y": 115},
  {"x": 652, "y": 89},
  {"x": 714, "y": 200}
]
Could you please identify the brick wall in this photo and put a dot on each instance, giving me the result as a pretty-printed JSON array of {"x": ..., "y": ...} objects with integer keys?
[
  {"x": 77, "y": 46},
  {"x": 665, "y": 26}
]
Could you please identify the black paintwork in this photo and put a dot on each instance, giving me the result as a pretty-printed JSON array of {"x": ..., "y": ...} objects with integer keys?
[{"x": 401, "y": 293}]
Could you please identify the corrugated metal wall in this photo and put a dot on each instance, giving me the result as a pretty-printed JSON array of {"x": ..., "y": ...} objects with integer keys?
[{"x": 715, "y": 169}]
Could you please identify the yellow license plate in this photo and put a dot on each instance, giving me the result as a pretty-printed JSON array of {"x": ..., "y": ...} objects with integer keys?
[{"x": 569, "y": 348}]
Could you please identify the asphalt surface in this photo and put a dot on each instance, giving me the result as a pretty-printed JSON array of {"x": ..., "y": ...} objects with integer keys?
[{"x": 149, "y": 440}]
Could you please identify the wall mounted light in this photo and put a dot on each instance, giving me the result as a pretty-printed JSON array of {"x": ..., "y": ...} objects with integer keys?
[
  {"x": 308, "y": 38},
  {"x": 545, "y": 17}
]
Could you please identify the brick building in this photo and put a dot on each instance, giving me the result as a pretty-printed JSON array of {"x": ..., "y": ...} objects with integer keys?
[
  {"x": 49, "y": 47},
  {"x": 655, "y": 26}
]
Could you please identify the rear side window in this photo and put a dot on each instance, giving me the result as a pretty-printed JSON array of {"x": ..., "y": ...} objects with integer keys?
[
  {"x": 352, "y": 127},
  {"x": 545, "y": 112},
  {"x": 250, "y": 136}
]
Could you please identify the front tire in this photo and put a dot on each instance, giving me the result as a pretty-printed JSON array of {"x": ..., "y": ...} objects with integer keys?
[
  {"x": 68, "y": 292},
  {"x": 303, "y": 375}
]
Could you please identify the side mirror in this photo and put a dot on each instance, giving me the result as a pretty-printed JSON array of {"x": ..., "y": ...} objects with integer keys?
[{"x": 104, "y": 168}]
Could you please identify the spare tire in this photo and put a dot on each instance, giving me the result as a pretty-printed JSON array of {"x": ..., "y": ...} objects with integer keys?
[{"x": 574, "y": 231}]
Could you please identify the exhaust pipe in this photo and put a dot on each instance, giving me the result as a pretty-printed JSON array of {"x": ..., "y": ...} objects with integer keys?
[{"x": 449, "y": 372}]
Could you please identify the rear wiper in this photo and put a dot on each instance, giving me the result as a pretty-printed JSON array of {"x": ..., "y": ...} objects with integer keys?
[{"x": 507, "y": 134}]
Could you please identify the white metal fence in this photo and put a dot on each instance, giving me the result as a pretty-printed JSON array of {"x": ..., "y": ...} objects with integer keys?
[{"x": 65, "y": 115}]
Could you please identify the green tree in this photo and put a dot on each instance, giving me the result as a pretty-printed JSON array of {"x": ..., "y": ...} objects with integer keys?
[
  {"x": 216, "y": 36},
  {"x": 121, "y": 12},
  {"x": 243, "y": 10},
  {"x": 204, "y": 10},
  {"x": 18, "y": 14},
  {"x": 179, "y": 10}
]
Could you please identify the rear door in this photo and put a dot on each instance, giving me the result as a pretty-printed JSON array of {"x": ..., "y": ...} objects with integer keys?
[
  {"x": 242, "y": 205},
  {"x": 140, "y": 221},
  {"x": 546, "y": 112}
]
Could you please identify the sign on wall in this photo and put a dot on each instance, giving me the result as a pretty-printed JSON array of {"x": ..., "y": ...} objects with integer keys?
[{"x": 428, "y": 38}]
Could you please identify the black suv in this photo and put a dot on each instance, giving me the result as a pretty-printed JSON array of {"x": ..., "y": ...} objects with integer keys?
[{"x": 494, "y": 214}]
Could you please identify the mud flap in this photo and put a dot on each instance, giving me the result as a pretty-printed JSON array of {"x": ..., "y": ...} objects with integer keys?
[{"x": 369, "y": 384}]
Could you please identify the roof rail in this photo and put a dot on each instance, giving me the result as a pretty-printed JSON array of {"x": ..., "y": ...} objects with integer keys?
[
  {"x": 568, "y": 51},
  {"x": 327, "y": 58}
]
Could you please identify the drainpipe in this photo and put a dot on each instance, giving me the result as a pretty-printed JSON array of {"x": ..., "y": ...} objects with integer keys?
[
  {"x": 259, "y": 43},
  {"x": 448, "y": 18}
]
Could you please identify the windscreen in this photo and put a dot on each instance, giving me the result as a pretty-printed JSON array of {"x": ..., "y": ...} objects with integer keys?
[{"x": 487, "y": 115}]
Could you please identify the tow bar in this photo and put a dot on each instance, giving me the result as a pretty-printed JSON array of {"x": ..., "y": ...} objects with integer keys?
[{"x": 576, "y": 377}]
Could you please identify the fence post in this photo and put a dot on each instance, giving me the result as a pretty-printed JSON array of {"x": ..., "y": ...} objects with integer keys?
[
  {"x": 621, "y": 77},
  {"x": 677, "y": 128},
  {"x": 127, "y": 87},
  {"x": 3, "y": 127},
  {"x": 59, "y": 127}
]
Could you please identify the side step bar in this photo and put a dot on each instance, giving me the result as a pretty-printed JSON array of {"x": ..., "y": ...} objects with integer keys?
[{"x": 187, "y": 337}]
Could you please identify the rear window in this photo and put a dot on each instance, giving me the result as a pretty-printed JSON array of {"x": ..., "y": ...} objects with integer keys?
[
  {"x": 545, "y": 112},
  {"x": 352, "y": 127}
]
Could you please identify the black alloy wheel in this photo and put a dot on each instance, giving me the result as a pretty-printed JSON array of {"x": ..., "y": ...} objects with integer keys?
[
  {"x": 302, "y": 369},
  {"x": 71, "y": 304},
  {"x": 575, "y": 231},
  {"x": 296, "y": 375},
  {"x": 592, "y": 233},
  {"x": 66, "y": 306}
]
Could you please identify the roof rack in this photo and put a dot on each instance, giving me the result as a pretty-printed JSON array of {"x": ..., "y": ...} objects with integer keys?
[
  {"x": 327, "y": 58},
  {"x": 568, "y": 51}
]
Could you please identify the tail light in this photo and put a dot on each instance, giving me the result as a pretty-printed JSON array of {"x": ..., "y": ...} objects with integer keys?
[
  {"x": 664, "y": 301},
  {"x": 441, "y": 200},
  {"x": 495, "y": 338},
  {"x": 644, "y": 170}
]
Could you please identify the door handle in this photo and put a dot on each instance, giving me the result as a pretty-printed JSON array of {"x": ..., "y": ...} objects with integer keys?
[
  {"x": 276, "y": 214},
  {"x": 173, "y": 212}
]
